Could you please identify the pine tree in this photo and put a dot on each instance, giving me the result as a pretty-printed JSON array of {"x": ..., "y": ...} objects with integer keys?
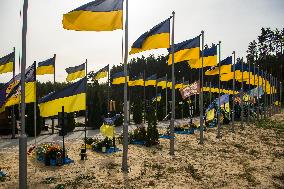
[
  {"x": 137, "y": 112},
  {"x": 152, "y": 137}
]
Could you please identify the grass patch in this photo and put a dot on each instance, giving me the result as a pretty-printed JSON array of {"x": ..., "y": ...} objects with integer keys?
[
  {"x": 278, "y": 154},
  {"x": 111, "y": 165},
  {"x": 270, "y": 124},
  {"x": 78, "y": 181},
  {"x": 253, "y": 152},
  {"x": 193, "y": 172},
  {"x": 49, "y": 180},
  {"x": 241, "y": 147},
  {"x": 248, "y": 175}
]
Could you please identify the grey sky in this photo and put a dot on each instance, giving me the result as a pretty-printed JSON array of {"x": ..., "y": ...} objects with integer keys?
[{"x": 234, "y": 22}]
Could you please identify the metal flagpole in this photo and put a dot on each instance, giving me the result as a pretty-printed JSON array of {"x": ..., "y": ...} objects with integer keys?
[
  {"x": 263, "y": 89},
  {"x": 166, "y": 95},
  {"x": 219, "y": 91},
  {"x": 265, "y": 96},
  {"x": 156, "y": 97},
  {"x": 172, "y": 126},
  {"x": 125, "y": 125},
  {"x": 257, "y": 93},
  {"x": 54, "y": 87},
  {"x": 280, "y": 100},
  {"x": 35, "y": 116},
  {"x": 23, "y": 136},
  {"x": 108, "y": 86},
  {"x": 242, "y": 97},
  {"x": 249, "y": 105},
  {"x": 210, "y": 92},
  {"x": 270, "y": 97},
  {"x": 234, "y": 80},
  {"x": 182, "y": 100},
  {"x": 86, "y": 111},
  {"x": 13, "y": 107},
  {"x": 144, "y": 93},
  {"x": 201, "y": 140}
]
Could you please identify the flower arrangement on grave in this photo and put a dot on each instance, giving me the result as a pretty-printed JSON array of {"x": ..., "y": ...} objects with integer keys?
[
  {"x": 50, "y": 153},
  {"x": 102, "y": 145}
]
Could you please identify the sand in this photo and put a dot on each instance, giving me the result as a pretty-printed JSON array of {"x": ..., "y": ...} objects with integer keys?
[{"x": 249, "y": 158}]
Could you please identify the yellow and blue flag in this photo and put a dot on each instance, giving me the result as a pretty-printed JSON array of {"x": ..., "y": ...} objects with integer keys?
[
  {"x": 186, "y": 50},
  {"x": 75, "y": 72},
  {"x": 72, "y": 97},
  {"x": 102, "y": 73},
  {"x": 46, "y": 67},
  {"x": 138, "y": 81},
  {"x": 10, "y": 94},
  {"x": 162, "y": 82},
  {"x": 225, "y": 67},
  {"x": 157, "y": 37},
  {"x": 151, "y": 81},
  {"x": 98, "y": 15},
  {"x": 119, "y": 78},
  {"x": 209, "y": 58},
  {"x": 7, "y": 63}
]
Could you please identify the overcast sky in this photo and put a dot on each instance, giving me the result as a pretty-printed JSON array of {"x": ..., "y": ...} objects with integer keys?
[{"x": 234, "y": 22}]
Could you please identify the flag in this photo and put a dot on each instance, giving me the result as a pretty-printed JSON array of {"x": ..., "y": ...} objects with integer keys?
[
  {"x": 72, "y": 97},
  {"x": 151, "y": 81},
  {"x": 162, "y": 82},
  {"x": 46, "y": 67},
  {"x": 225, "y": 67},
  {"x": 157, "y": 98},
  {"x": 119, "y": 78},
  {"x": 102, "y": 73},
  {"x": 223, "y": 100},
  {"x": 209, "y": 59},
  {"x": 179, "y": 85},
  {"x": 107, "y": 131},
  {"x": 137, "y": 82},
  {"x": 7, "y": 63},
  {"x": 210, "y": 114},
  {"x": 75, "y": 72},
  {"x": 192, "y": 89},
  {"x": 256, "y": 92},
  {"x": 157, "y": 37},
  {"x": 10, "y": 94},
  {"x": 98, "y": 15},
  {"x": 186, "y": 50},
  {"x": 226, "y": 107}
]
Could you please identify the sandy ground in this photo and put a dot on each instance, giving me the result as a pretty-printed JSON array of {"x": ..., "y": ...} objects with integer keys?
[{"x": 249, "y": 158}]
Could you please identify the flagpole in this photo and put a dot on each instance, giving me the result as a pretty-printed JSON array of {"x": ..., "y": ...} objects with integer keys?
[
  {"x": 54, "y": 88},
  {"x": 219, "y": 91},
  {"x": 265, "y": 96},
  {"x": 182, "y": 100},
  {"x": 172, "y": 126},
  {"x": 263, "y": 89},
  {"x": 201, "y": 141},
  {"x": 35, "y": 116},
  {"x": 23, "y": 136},
  {"x": 270, "y": 96},
  {"x": 13, "y": 107},
  {"x": 234, "y": 95},
  {"x": 242, "y": 97},
  {"x": 280, "y": 100},
  {"x": 248, "y": 120},
  {"x": 166, "y": 95},
  {"x": 156, "y": 97},
  {"x": 108, "y": 97},
  {"x": 210, "y": 94},
  {"x": 144, "y": 94},
  {"x": 258, "y": 93},
  {"x": 125, "y": 125},
  {"x": 86, "y": 111}
]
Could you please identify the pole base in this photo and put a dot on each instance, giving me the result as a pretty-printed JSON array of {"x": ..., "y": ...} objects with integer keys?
[{"x": 23, "y": 161}]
